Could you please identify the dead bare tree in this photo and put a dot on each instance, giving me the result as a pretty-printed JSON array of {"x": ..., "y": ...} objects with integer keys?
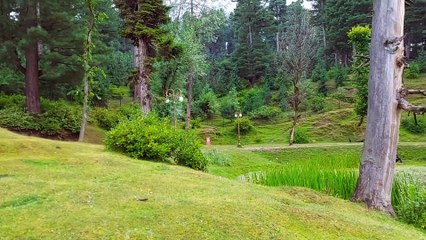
[
  {"x": 386, "y": 99},
  {"x": 297, "y": 55}
]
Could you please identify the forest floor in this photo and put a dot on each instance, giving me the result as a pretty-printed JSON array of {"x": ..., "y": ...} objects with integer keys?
[{"x": 64, "y": 190}]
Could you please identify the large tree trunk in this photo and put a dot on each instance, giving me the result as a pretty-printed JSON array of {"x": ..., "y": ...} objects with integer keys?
[
  {"x": 383, "y": 118},
  {"x": 189, "y": 86},
  {"x": 32, "y": 90},
  {"x": 141, "y": 88}
]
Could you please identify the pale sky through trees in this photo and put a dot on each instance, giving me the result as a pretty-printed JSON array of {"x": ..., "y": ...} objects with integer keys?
[{"x": 229, "y": 6}]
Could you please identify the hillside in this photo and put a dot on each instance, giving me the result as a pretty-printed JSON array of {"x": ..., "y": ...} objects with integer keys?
[{"x": 63, "y": 190}]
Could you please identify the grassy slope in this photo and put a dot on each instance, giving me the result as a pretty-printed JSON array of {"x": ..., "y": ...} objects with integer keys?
[
  {"x": 61, "y": 190},
  {"x": 337, "y": 125}
]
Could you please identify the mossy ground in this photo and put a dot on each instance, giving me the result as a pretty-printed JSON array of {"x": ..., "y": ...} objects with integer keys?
[{"x": 64, "y": 190}]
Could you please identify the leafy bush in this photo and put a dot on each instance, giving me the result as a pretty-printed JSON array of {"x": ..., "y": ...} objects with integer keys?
[
  {"x": 338, "y": 74},
  {"x": 187, "y": 151},
  {"x": 206, "y": 105},
  {"x": 265, "y": 112},
  {"x": 253, "y": 99},
  {"x": 109, "y": 118},
  {"x": 57, "y": 116},
  {"x": 246, "y": 125},
  {"x": 11, "y": 101},
  {"x": 17, "y": 118},
  {"x": 301, "y": 136},
  {"x": 411, "y": 126},
  {"x": 148, "y": 137},
  {"x": 317, "y": 103},
  {"x": 105, "y": 118},
  {"x": 413, "y": 71},
  {"x": 229, "y": 105}
]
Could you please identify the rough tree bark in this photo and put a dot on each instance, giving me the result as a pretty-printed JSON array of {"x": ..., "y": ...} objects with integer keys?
[
  {"x": 141, "y": 88},
  {"x": 32, "y": 89},
  {"x": 383, "y": 118}
]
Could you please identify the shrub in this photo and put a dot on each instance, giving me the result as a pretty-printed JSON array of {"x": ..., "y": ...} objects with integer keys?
[
  {"x": 148, "y": 137},
  {"x": 338, "y": 74},
  {"x": 413, "y": 71},
  {"x": 265, "y": 113},
  {"x": 105, "y": 118},
  {"x": 187, "y": 151},
  {"x": 317, "y": 103},
  {"x": 253, "y": 100},
  {"x": 57, "y": 116},
  {"x": 411, "y": 126},
  {"x": 11, "y": 101},
  {"x": 109, "y": 118},
  {"x": 17, "y": 118},
  {"x": 301, "y": 136},
  {"x": 246, "y": 125},
  {"x": 206, "y": 105}
]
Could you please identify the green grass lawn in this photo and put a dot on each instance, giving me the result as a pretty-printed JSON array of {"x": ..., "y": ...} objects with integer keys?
[{"x": 63, "y": 190}]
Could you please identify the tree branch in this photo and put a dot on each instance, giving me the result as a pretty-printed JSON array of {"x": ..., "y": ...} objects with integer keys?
[
  {"x": 17, "y": 62},
  {"x": 405, "y": 91},
  {"x": 405, "y": 105}
]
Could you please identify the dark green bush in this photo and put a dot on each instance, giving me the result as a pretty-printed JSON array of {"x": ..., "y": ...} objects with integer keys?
[
  {"x": 17, "y": 119},
  {"x": 57, "y": 116},
  {"x": 301, "y": 136},
  {"x": 317, "y": 103},
  {"x": 206, "y": 106},
  {"x": 105, "y": 118},
  {"x": 265, "y": 113},
  {"x": 253, "y": 99},
  {"x": 246, "y": 125},
  {"x": 413, "y": 71},
  {"x": 338, "y": 74},
  {"x": 11, "y": 101},
  {"x": 148, "y": 137},
  {"x": 187, "y": 151},
  {"x": 411, "y": 126}
]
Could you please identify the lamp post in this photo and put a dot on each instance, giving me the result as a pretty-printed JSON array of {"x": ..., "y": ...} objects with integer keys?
[
  {"x": 174, "y": 96},
  {"x": 237, "y": 116}
]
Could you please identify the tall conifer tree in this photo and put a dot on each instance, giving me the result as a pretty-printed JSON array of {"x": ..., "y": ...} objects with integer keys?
[{"x": 142, "y": 24}]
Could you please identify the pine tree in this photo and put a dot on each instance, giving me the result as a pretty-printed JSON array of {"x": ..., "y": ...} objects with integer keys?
[
  {"x": 142, "y": 24},
  {"x": 251, "y": 55},
  {"x": 43, "y": 40},
  {"x": 339, "y": 17}
]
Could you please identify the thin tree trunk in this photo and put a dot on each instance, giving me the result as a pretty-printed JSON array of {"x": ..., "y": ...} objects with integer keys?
[
  {"x": 324, "y": 36},
  {"x": 32, "y": 89},
  {"x": 189, "y": 86},
  {"x": 86, "y": 66},
  {"x": 293, "y": 129},
  {"x": 374, "y": 185}
]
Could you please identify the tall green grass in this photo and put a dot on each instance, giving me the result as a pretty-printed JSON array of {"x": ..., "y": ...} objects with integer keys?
[{"x": 338, "y": 175}]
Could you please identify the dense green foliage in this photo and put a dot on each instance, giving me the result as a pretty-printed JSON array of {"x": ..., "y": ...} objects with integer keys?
[
  {"x": 58, "y": 117},
  {"x": 245, "y": 125},
  {"x": 148, "y": 137},
  {"x": 360, "y": 37}
]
